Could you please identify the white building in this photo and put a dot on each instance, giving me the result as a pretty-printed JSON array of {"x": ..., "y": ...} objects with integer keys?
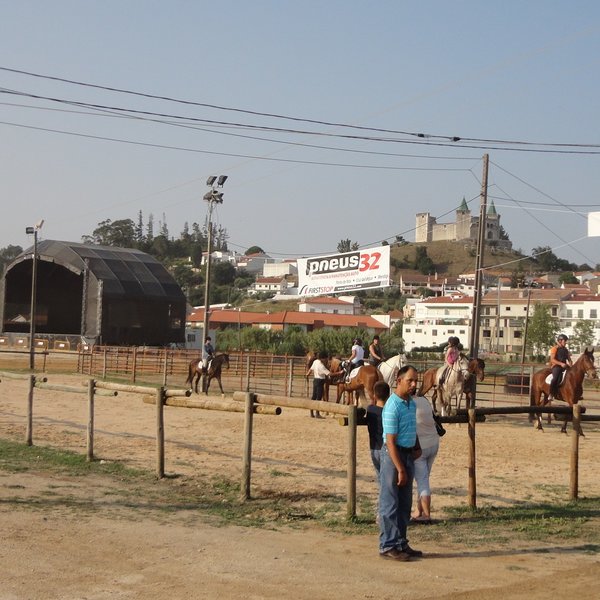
[
  {"x": 580, "y": 308},
  {"x": 348, "y": 305},
  {"x": 279, "y": 269},
  {"x": 436, "y": 319}
]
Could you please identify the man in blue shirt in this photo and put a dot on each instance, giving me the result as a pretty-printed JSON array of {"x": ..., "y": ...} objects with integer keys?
[{"x": 400, "y": 447}]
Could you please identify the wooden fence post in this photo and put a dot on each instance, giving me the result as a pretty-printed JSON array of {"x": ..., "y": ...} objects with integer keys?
[
  {"x": 351, "y": 499},
  {"x": 104, "y": 365},
  {"x": 290, "y": 377},
  {"x": 247, "y": 386},
  {"x": 247, "y": 452},
  {"x": 166, "y": 368},
  {"x": 472, "y": 460},
  {"x": 574, "y": 466},
  {"x": 160, "y": 432},
  {"x": 90, "y": 427},
  {"x": 133, "y": 364},
  {"x": 29, "y": 427}
]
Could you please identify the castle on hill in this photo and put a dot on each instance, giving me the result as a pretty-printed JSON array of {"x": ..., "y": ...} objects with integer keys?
[{"x": 465, "y": 228}]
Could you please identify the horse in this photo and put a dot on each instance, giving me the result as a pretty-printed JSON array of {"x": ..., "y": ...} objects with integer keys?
[
  {"x": 570, "y": 390},
  {"x": 196, "y": 370},
  {"x": 389, "y": 368},
  {"x": 457, "y": 382},
  {"x": 360, "y": 384}
]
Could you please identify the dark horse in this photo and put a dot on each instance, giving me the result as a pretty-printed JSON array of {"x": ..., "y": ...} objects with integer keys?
[
  {"x": 430, "y": 380},
  {"x": 214, "y": 372},
  {"x": 571, "y": 388}
]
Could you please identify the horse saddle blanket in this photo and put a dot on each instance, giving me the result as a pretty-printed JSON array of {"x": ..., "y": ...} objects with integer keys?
[
  {"x": 353, "y": 374},
  {"x": 548, "y": 379},
  {"x": 200, "y": 365}
]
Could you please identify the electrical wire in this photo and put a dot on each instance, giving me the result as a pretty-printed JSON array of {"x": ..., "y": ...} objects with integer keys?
[{"x": 452, "y": 138}]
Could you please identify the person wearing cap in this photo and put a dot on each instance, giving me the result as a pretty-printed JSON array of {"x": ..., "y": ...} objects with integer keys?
[
  {"x": 375, "y": 352},
  {"x": 357, "y": 357},
  {"x": 560, "y": 360},
  {"x": 208, "y": 352}
]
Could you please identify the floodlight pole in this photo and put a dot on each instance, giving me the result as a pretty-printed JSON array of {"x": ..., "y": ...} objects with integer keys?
[
  {"x": 211, "y": 197},
  {"x": 34, "y": 231}
]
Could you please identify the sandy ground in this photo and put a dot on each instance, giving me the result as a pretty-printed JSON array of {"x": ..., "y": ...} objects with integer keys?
[{"x": 56, "y": 552}]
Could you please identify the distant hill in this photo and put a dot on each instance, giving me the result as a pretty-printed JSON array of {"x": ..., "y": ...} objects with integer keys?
[{"x": 454, "y": 258}]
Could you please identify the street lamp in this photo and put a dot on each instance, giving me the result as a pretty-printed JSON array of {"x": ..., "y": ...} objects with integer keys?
[
  {"x": 212, "y": 197},
  {"x": 33, "y": 230}
]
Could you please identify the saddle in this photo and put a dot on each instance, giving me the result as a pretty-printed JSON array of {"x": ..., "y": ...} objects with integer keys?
[{"x": 548, "y": 379}]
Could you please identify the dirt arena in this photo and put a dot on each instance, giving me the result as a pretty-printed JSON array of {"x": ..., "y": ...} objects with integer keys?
[{"x": 51, "y": 551}]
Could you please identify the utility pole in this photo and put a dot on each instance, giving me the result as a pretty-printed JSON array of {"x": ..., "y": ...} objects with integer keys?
[
  {"x": 474, "y": 338},
  {"x": 212, "y": 197},
  {"x": 526, "y": 325}
]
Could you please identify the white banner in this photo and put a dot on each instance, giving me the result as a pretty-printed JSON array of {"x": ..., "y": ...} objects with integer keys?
[
  {"x": 338, "y": 273},
  {"x": 593, "y": 224}
]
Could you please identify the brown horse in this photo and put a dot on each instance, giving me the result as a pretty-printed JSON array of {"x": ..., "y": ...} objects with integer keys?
[
  {"x": 571, "y": 388},
  {"x": 196, "y": 370},
  {"x": 359, "y": 386},
  {"x": 476, "y": 369}
]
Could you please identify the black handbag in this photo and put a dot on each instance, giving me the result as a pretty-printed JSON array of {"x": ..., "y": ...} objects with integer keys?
[{"x": 438, "y": 425}]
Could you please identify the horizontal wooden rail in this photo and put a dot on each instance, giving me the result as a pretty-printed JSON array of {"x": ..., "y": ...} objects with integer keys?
[
  {"x": 25, "y": 376},
  {"x": 59, "y": 387},
  {"x": 287, "y": 402},
  {"x": 222, "y": 405}
]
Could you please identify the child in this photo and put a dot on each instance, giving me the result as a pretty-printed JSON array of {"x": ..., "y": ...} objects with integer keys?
[
  {"x": 381, "y": 391},
  {"x": 451, "y": 355}
]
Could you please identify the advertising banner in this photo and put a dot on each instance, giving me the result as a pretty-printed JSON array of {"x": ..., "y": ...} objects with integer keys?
[{"x": 347, "y": 272}]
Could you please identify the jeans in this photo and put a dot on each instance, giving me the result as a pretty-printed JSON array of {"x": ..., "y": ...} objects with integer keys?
[
  {"x": 395, "y": 502},
  {"x": 376, "y": 458}
]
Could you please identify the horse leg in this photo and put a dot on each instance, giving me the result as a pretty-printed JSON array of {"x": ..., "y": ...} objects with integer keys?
[{"x": 220, "y": 386}]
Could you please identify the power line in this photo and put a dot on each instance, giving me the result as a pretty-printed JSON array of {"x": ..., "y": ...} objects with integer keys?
[
  {"x": 228, "y": 154},
  {"x": 452, "y": 138}
]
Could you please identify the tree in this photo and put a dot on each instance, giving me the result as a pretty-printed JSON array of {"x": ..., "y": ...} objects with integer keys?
[
  {"x": 119, "y": 233},
  {"x": 8, "y": 254},
  {"x": 502, "y": 234},
  {"x": 423, "y": 262},
  {"x": 583, "y": 335},
  {"x": 347, "y": 246},
  {"x": 542, "y": 330},
  {"x": 254, "y": 250},
  {"x": 567, "y": 278}
]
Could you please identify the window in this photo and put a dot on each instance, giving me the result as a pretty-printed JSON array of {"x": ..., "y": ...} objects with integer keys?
[
  {"x": 407, "y": 329},
  {"x": 486, "y": 333},
  {"x": 434, "y": 332},
  {"x": 507, "y": 309},
  {"x": 593, "y": 313},
  {"x": 569, "y": 313},
  {"x": 418, "y": 331},
  {"x": 501, "y": 333},
  {"x": 580, "y": 313},
  {"x": 516, "y": 334},
  {"x": 450, "y": 330}
]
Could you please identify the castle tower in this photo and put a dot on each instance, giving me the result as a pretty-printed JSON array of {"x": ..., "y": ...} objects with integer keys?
[
  {"x": 463, "y": 221},
  {"x": 424, "y": 227},
  {"x": 492, "y": 223}
]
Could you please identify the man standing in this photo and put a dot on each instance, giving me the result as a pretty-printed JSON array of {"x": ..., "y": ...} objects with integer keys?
[
  {"x": 560, "y": 359},
  {"x": 400, "y": 448}
]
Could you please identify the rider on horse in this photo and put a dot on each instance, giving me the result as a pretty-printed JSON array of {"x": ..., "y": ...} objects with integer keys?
[
  {"x": 376, "y": 352},
  {"x": 451, "y": 355},
  {"x": 356, "y": 358},
  {"x": 560, "y": 359},
  {"x": 208, "y": 353}
]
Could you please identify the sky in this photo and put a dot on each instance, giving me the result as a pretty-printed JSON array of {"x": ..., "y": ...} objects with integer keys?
[{"x": 333, "y": 119}]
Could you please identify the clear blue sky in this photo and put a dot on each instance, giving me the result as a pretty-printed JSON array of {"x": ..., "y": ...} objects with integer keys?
[{"x": 510, "y": 71}]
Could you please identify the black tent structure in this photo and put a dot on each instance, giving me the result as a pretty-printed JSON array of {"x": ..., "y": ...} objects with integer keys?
[{"x": 104, "y": 295}]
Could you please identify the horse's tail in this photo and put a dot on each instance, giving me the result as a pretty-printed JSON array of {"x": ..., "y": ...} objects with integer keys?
[{"x": 190, "y": 373}]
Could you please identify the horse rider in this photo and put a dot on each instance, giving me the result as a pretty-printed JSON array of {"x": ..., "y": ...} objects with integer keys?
[
  {"x": 451, "y": 355},
  {"x": 208, "y": 353},
  {"x": 356, "y": 358},
  {"x": 375, "y": 352},
  {"x": 560, "y": 360}
]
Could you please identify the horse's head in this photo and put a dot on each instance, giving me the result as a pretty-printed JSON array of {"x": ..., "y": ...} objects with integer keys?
[
  {"x": 588, "y": 363},
  {"x": 463, "y": 365},
  {"x": 477, "y": 368},
  {"x": 310, "y": 358}
]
